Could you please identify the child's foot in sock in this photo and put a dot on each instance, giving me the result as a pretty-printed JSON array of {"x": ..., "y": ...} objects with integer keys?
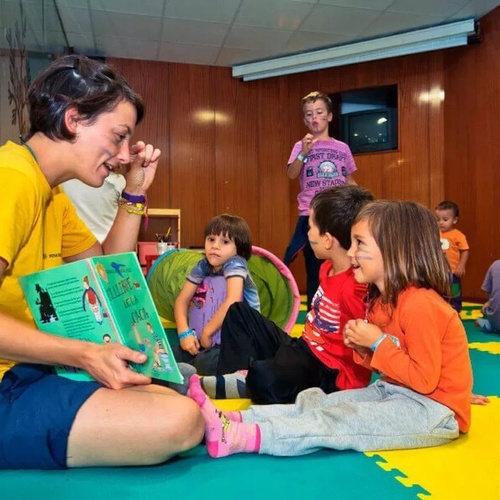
[
  {"x": 225, "y": 437},
  {"x": 229, "y": 386},
  {"x": 196, "y": 393}
]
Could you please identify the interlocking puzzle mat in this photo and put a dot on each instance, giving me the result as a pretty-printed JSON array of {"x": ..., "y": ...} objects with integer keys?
[{"x": 465, "y": 469}]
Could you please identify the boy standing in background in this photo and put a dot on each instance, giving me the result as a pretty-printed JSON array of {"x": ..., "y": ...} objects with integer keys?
[
  {"x": 455, "y": 247},
  {"x": 320, "y": 162}
]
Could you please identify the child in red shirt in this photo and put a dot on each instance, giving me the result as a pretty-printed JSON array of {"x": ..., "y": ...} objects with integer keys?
[{"x": 282, "y": 366}]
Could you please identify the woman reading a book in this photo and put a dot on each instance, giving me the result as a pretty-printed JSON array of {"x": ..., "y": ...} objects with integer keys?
[{"x": 82, "y": 116}]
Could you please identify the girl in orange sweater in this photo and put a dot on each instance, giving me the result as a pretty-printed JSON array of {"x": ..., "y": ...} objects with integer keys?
[{"x": 412, "y": 338}]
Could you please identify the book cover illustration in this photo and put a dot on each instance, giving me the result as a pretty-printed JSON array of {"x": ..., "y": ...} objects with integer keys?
[{"x": 102, "y": 299}]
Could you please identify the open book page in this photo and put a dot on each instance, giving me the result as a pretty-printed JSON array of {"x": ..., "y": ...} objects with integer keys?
[{"x": 102, "y": 299}]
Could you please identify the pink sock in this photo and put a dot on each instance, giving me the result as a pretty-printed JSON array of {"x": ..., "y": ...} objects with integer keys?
[
  {"x": 196, "y": 393},
  {"x": 223, "y": 436}
]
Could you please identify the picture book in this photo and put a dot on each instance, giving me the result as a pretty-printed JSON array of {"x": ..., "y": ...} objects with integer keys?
[{"x": 102, "y": 299}]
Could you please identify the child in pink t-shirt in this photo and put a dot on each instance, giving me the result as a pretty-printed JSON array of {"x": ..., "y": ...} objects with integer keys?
[{"x": 319, "y": 161}]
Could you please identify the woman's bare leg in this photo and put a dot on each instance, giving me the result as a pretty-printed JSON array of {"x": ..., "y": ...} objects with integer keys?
[{"x": 136, "y": 426}]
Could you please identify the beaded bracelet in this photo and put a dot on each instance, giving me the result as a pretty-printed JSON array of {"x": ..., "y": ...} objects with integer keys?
[{"x": 187, "y": 333}]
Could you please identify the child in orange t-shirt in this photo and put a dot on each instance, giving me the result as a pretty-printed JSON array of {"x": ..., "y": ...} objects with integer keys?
[
  {"x": 412, "y": 337},
  {"x": 455, "y": 247}
]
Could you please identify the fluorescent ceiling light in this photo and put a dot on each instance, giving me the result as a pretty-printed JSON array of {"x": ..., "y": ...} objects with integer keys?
[{"x": 412, "y": 42}]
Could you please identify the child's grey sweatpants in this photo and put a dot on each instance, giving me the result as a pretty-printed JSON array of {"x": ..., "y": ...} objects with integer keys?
[{"x": 381, "y": 416}]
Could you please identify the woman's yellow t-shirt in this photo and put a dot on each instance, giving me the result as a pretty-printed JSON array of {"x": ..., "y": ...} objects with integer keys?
[{"x": 39, "y": 228}]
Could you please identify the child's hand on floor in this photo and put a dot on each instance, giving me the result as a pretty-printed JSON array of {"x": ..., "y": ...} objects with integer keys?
[{"x": 477, "y": 399}]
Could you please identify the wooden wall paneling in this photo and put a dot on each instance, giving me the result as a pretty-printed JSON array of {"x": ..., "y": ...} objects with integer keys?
[
  {"x": 484, "y": 228},
  {"x": 472, "y": 157},
  {"x": 330, "y": 80},
  {"x": 372, "y": 170},
  {"x": 236, "y": 143},
  {"x": 191, "y": 129},
  {"x": 273, "y": 125},
  {"x": 436, "y": 128},
  {"x": 460, "y": 161},
  {"x": 411, "y": 180},
  {"x": 149, "y": 79}
]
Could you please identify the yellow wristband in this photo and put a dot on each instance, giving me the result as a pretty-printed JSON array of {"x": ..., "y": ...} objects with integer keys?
[{"x": 133, "y": 208}]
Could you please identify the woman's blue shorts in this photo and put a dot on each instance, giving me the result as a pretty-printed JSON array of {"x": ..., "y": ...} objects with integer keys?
[{"x": 37, "y": 410}]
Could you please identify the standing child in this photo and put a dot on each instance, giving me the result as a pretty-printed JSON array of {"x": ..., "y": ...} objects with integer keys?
[
  {"x": 413, "y": 338},
  {"x": 320, "y": 161},
  {"x": 455, "y": 247},
  {"x": 283, "y": 366},
  {"x": 228, "y": 246},
  {"x": 491, "y": 310}
]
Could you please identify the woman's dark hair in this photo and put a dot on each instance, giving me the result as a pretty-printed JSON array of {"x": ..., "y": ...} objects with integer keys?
[
  {"x": 89, "y": 86},
  {"x": 233, "y": 227}
]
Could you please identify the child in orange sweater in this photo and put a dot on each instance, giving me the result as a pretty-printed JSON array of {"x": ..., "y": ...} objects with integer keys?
[
  {"x": 413, "y": 338},
  {"x": 455, "y": 247}
]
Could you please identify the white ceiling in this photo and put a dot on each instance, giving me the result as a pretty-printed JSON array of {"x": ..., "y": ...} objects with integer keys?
[{"x": 222, "y": 32}]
